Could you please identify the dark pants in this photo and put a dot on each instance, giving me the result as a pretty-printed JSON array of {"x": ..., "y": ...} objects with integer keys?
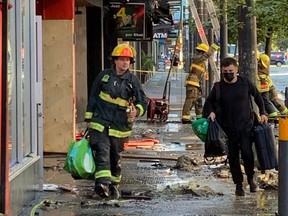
[
  {"x": 107, "y": 156},
  {"x": 269, "y": 107},
  {"x": 240, "y": 142}
]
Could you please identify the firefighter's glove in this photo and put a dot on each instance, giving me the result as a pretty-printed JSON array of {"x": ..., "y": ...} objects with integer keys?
[
  {"x": 133, "y": 111},
  {"x": 88, "y": 125},
  {"x": 215, "y": 46}
]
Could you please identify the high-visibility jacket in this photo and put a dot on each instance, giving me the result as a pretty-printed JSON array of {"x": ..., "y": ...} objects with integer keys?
[
  {"x": 263, "y": 80},
  {"x": 109, "y": 99},
  {"x": 198, "y": 66}
]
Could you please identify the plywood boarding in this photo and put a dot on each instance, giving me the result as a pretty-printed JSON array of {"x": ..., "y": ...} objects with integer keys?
[{"x": 58, "y": 85}]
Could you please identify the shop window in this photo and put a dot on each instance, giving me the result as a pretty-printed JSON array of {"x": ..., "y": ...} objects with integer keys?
[{"x": 20, "y": 39}]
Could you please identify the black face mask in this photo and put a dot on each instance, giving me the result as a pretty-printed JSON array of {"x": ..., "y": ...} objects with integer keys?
[{"x": 228, "y": 76}]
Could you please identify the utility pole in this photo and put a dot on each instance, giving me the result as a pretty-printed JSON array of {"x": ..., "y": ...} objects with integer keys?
[{"x": 247, "y": 40}]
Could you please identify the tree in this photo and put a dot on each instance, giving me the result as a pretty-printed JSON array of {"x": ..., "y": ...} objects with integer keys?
[
  {"x": 271, "y": 21},
  {"x": 271, "y": 16}
]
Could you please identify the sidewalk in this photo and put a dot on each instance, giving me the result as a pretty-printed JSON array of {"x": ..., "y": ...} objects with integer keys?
[{"x": 151, "y": 171}]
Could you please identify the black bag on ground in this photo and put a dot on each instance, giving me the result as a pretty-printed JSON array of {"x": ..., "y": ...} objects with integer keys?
[
  {"x": 216, "y": 141},
  {"x": 264, "y": 140}
]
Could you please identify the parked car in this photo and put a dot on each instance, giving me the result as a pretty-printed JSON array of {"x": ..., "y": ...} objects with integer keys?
[{"x": 277, "y": 58}]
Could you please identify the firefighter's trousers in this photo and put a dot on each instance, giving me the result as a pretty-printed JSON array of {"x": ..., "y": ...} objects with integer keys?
[
  {"x": 269, "y": 107},
  {"x": 193, "y": 97},
  {"x": 278, "y": 103},
  {"x": 106, "y": 150}
]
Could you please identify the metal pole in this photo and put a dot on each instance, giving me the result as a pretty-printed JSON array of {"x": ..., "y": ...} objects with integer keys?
[
  {"x": 283, "y": 166},
  {"x": 5, "y": 199},
  {"x": 178, "y": 42}
]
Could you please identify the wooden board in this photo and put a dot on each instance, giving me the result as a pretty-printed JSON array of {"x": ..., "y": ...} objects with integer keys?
[{"x": 58, "y": 84}]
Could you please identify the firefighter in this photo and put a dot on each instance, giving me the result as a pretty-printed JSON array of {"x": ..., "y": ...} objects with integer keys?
[
  {"x": 267, "y": 89},
  {"x": 193, "y": 80},
  {"x": 116, "y": 99},
  {"x": 263, "y": 83}
]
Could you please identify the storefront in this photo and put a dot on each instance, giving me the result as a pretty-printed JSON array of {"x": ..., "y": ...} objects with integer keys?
[{"x": 23, "y": 140}]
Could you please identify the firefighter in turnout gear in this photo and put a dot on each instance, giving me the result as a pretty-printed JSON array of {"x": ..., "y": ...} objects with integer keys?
[
  {"x": 193, "y": 81},
  {"x": 266, "y": 87},
  {"x": 114, "y": 91}
]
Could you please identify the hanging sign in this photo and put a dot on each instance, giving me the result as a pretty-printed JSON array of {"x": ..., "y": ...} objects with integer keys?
[{"x": 129, "y": 20}]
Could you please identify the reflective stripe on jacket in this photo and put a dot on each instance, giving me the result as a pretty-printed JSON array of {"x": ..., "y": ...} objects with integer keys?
[
  {"x": 109, "y": 99},
  {"x": 198, "y": 67}
]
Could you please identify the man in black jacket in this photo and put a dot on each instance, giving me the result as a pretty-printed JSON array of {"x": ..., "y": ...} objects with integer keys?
[
  {"x": 116, "y": 99},
  {"x": 233, "y": 106}
]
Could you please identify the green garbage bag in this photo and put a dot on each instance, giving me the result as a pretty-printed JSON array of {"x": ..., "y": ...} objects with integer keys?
[
  {"x": 200, "y": 128},
  {"x": 79, "y": 160}
]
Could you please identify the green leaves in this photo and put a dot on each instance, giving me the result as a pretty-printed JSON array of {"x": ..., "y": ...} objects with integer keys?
[{"x": 147, "y": 61}]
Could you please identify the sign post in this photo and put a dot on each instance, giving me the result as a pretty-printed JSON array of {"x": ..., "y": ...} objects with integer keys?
[{"x": 283, "y": 166}]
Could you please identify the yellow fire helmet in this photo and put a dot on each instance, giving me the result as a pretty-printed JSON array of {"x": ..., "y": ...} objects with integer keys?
[
  {"x": 124, "y": 50},
  {"x": 203, "y": 47},
  {"x": 265, "y": 60}
]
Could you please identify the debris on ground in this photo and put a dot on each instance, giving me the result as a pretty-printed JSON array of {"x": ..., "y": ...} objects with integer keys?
[
  {"x": 149, "y": 133},
  {"x": 200, "y": 190},
  {"x": 50, "y": 187},
  {"x": 144, "y": 143},
  {"x": 66, "y": 187},
  {"x": 186, "y": 163},
  {"x": 270, "y": 183}
]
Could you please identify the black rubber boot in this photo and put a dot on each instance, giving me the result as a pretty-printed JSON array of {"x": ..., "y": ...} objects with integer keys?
[
  {"x": 239, "y": 190},
  {"x": 114, "y": 191},
  {"x": 253, "y": 185},
  {"x": 102, "y": 190}
]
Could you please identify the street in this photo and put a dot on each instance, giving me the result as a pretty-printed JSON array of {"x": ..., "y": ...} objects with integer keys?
[{"x": 279, "y": 76}]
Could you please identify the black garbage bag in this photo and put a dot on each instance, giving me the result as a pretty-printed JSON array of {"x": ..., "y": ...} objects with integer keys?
[{"x": 216, "y": 141}]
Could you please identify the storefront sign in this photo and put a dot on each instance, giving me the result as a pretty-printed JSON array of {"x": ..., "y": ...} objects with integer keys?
[
  {"x": 129, "y": 20},
  {"x": 160, "y": 35}
]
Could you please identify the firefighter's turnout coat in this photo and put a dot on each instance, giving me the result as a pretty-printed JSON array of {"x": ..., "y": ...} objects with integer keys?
[
  {"x": 109, "y": 99},
  {"x": 193, "y": 83},
  {"x": 198, "y": 66},
  {"x": 269, "y": 94}
]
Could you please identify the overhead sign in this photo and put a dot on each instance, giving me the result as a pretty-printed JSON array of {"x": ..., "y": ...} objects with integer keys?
[
  {"x": 160, "y": 35},
  {"x": 129, "y": 20}
]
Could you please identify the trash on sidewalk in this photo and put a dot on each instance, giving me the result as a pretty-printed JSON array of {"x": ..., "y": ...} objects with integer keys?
[
  {"x": 140, "y": 143},
  {"x": 224, "y": 174},
  {"x": 150, "y": 134},
  {"x": 50, "y": 187},
  {"x": 131, "y": 194},
  {"x": 66, "y": 187}
]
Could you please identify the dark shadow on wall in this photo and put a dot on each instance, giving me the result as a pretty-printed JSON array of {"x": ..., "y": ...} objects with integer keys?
[{"x": 94, "y": 65}]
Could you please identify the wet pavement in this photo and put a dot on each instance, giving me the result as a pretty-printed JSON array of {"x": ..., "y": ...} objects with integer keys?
[{"x": 196, "y": 189}]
